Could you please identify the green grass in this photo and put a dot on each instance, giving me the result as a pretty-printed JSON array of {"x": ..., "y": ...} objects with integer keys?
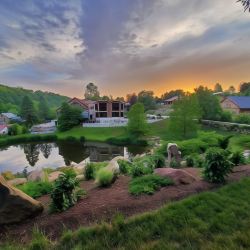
[
  {"x": 94, "y": 134},
  {"x": 36, "y": 189},
  {"x": 210, "y": 221},
  {"x": 148, "y": 184}
]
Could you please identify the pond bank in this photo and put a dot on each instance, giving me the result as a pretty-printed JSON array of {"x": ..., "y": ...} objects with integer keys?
[{"x": 103, "y": 204}]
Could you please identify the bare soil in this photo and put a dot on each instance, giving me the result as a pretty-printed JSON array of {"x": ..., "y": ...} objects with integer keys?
[{"x": 101, "y": 204}]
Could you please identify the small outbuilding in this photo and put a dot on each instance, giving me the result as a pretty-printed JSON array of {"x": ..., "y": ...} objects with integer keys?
[
  {"x": 236, "y": 104},
  {"x": 170, "y": 101}
]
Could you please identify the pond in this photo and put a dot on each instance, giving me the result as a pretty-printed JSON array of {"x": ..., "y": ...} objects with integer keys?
[{"x": 53, "y": 155}]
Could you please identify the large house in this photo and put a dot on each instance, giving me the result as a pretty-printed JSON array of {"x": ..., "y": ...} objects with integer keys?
[
  {"x": 3, "y": 129},
  {"x": 93, "y": 110},
  {"x": 6, "y": 118},
  {"x": 236, "y": 104}
]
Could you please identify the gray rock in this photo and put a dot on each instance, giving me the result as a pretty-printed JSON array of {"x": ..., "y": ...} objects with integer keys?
[
  {"x": 16, "y": 206},
  {"x": 17, "y": 181}
]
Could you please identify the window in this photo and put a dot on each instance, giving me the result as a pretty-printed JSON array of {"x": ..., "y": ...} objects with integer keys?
[
  {"x": 122, "y": 106},
  {"x": 121, "y": 114},
  {"x": 115, "y": 114},
  {"x": 103, "y": 114},
  {"x": 115, "y": 106},
  {"x": 102, "y": 106},
  {"x": 96, "y": 106}
]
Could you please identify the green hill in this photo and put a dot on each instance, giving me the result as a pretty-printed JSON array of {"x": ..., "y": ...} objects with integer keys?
[{"x": 11, "y": 98}]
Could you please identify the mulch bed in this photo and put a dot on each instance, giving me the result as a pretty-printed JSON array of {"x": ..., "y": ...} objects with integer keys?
[{"x": 101, "y": 204}]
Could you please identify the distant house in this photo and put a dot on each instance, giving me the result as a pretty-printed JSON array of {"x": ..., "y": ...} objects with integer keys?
[
  {"x": 6, "y": 118},
  {"x": 236, "y": 104},
  {"x": 171, "y": 100},
  {"x": 93, "y": 110},
  {"x": 3, "y": 129}
]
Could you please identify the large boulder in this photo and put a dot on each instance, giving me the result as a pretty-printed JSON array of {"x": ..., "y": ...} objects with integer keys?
[
  {"x": 17, "y": 181},
  {"x": 16, "y": 206},
  {"x": 113, "y": 164},
  {"x": 54, "y": 175},
  {"x": 36, "y": 175},
  {"x": 179, "y": 176}
]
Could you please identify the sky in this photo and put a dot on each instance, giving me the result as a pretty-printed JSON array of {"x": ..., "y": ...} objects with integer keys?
[{"x": 123, "y": 46}]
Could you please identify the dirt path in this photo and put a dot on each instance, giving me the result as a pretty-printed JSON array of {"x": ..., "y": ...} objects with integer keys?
[{"x": 103, "y": 204}]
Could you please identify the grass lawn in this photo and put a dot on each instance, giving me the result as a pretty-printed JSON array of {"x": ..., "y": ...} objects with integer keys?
[
  {"x": 94, "y": 134},
  {"x": 210, "y": 220}
]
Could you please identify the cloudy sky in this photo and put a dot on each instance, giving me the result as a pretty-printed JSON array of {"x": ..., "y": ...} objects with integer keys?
[{"x": 123, "y": 45}]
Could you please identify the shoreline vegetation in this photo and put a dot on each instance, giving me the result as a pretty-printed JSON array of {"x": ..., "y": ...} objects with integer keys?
[{"x": 119, "y": 136}]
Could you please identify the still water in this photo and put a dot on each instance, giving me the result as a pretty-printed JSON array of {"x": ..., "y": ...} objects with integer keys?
[{"x": 53, "y": 155}]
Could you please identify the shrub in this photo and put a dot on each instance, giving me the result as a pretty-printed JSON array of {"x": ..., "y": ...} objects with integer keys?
[
  {"x": 140, "y": 168},
  {"x": 148, "y": 184},
  {"x": 159, "y": 160},
  {"x": 226, "y": 116},
  {"x": 224, "y": 142},
  {"x": 242, "y": 118},
  {"x": 237, "y": 158},
  {"x": 193, "y": 146},
  {"x": 194, "y": 160},
  {"x": 190, "y": 161},
  {"x": 217, "y": 166},
  {"x": 8, "y": 175},
  {"x": 124, "y": 166},
  {"x": 37, "y": 188},
  {"x": 65, "y": 192},
  {"x": 175, "y": 164},
  {"x": 105, "y": 177},
  {"x": 91, "y": 169}
]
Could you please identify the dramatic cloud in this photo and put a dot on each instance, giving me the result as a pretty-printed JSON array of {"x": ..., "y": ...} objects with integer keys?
[{"x": 123, "y": 45}]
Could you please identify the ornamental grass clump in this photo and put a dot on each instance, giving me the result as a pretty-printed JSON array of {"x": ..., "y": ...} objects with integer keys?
[
  {"x": 216, "y": 166},
  {"x": 105, "y": 177}
]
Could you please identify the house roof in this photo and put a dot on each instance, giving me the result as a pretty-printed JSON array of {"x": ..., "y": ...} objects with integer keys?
[
  {"x": 243, "y": 102},
  {"x": 11, "y": 115},
  {"x": 2, "y": 127},
  {"x": 172, "y": 99}
]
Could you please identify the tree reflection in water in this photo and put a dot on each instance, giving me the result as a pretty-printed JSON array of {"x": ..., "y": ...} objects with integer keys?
[
  {"x": 31, "y": 152},
  {"x": 46, "y": 149}
]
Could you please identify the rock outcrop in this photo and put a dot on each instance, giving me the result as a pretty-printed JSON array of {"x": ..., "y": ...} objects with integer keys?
[
  {"x": 16, "y": 206},
  {"x": 36, "y": 175},
  {"x": 17, "y": 181},
  {"x": 179, "y": 176}
]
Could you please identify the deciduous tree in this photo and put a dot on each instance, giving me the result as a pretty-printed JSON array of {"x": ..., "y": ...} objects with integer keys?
[
  {"x": 69, "y": 117},
  {"x": 92, "y": 92},
  {"x": 137, "y": 124},
  {"x": 184, "y": 117}
]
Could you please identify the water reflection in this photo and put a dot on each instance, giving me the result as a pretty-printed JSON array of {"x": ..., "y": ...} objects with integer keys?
[{"x": 53, "y": 155}]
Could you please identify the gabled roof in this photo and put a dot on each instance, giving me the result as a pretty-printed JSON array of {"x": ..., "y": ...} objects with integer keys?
[
  {"x": 2, "y": 127},
  {"x": 11, "y": 116},
  {"x": 172, "y": 99},
  {"x": 80, "y": 102},
  {"x": 243, "y": 102}
]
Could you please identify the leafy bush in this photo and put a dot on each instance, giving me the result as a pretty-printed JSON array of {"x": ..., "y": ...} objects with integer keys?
[
  {"x": 192, "y": 146},
  {"x": 242, "y": 118},
  {"x": 91, "y": 169},
  {"x": 226, "y": 116},
  {"x": 65, "y": 192},
  {"x": 194, "y": 160},
  {"x": 141, "y": 167},
  {"x": 37, "y": 188},
  {"x": 124, "y": 166},
  {"x": 224, "y": 142},
  {"x": 190, "y": 161},
  {"x": 105, "y": 177},
  {"x": 175, "y": 164},
  {"x": 217, "y": 166},
  {"x": 148, "y": 184},
  {"x": 237, "y": 158},
  {"x": 8, "y": 175},
  {"x": 159, "y": 160}
]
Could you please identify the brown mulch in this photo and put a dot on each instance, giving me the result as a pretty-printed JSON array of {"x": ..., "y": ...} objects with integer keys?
[{"x": 103, "y": 203}]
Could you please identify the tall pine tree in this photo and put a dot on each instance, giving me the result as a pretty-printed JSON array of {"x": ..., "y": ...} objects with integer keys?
[
  {"x": 44, "y": 112},
  {"x": 28, "y": 112}
]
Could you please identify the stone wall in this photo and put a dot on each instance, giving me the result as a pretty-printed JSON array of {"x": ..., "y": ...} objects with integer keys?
[{"x": 228, "y": 126}]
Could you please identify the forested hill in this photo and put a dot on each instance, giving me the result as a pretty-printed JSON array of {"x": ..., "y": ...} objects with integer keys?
[{"x": 11, "y": 98}]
